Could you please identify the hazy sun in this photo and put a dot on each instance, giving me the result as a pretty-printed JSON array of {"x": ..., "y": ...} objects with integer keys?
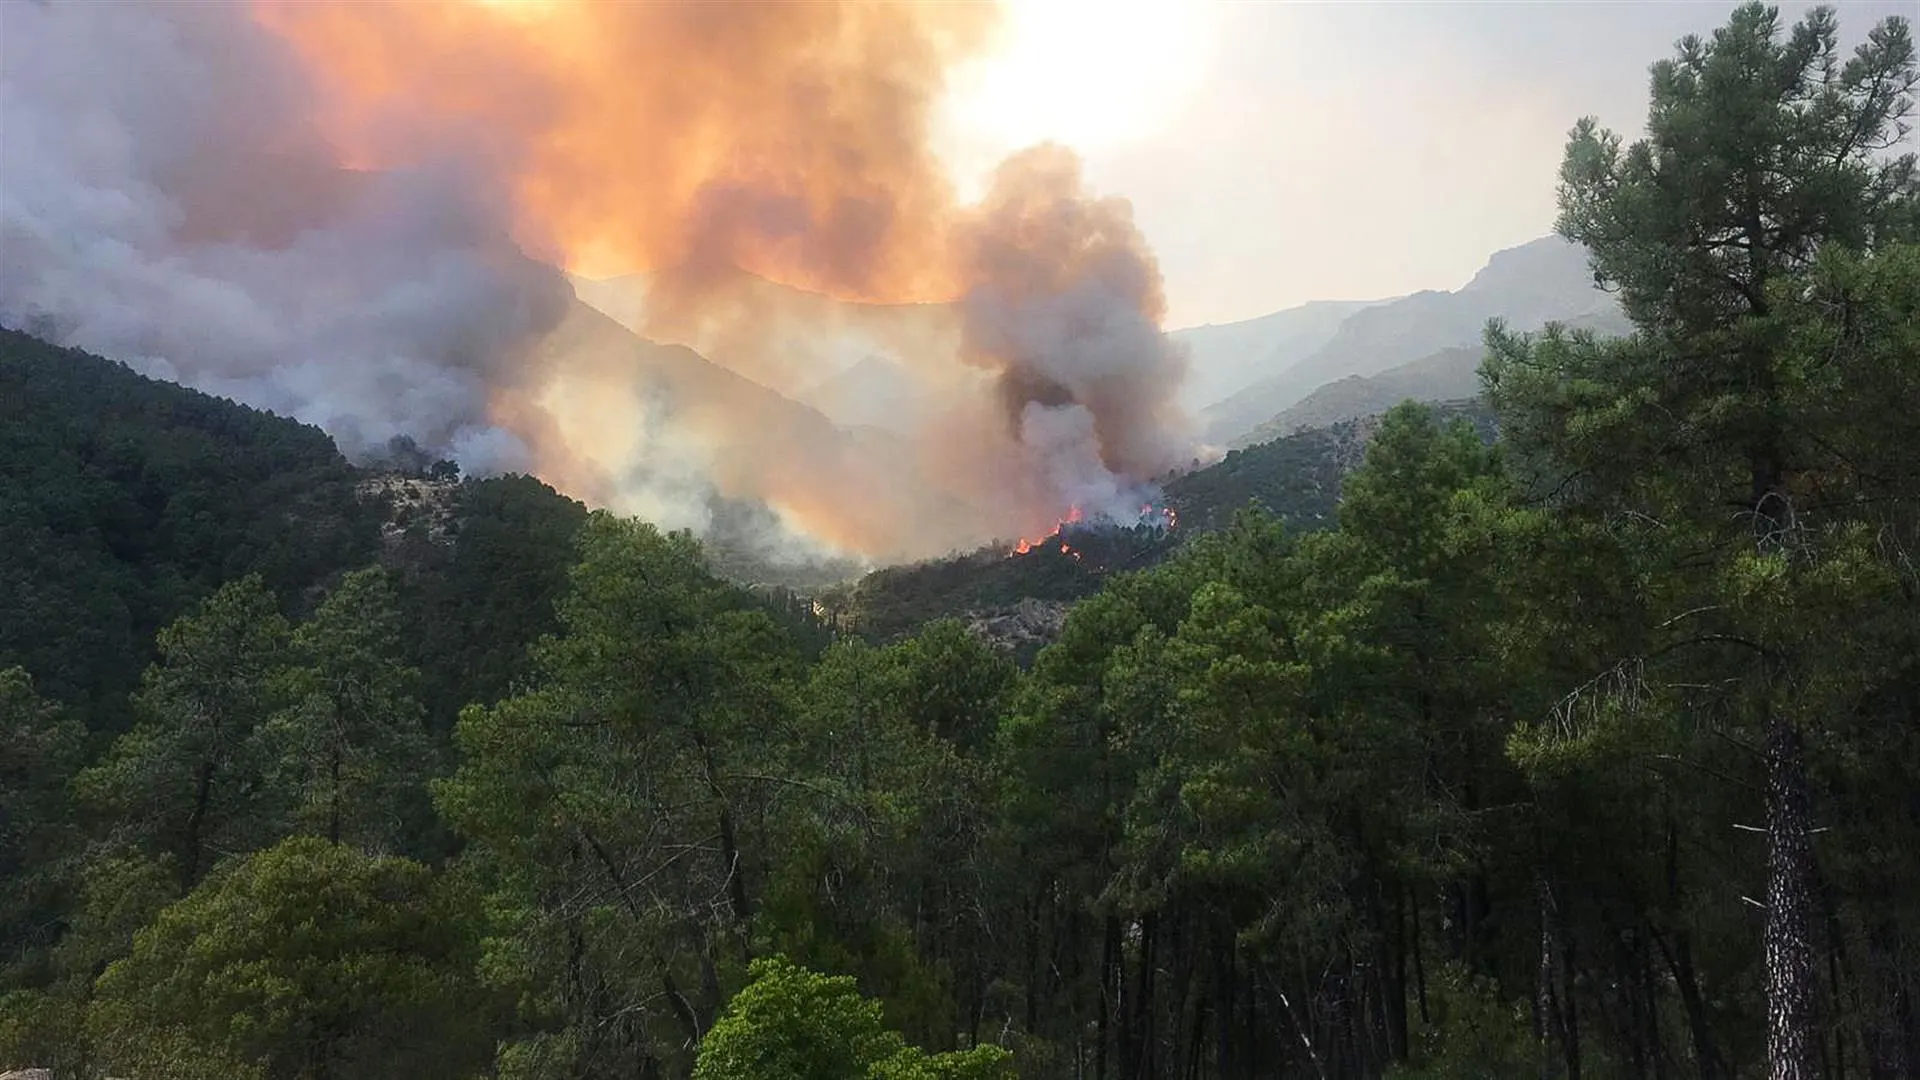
[{"x": 1092, "y": 74}]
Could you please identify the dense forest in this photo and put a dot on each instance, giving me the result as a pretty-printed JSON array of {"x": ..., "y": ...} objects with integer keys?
[{"x": 1592, "y": 751}]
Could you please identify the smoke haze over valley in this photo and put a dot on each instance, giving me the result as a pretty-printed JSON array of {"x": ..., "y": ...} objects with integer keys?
[
  {"x": 485, "y": 226},
  {"x": 988, "y": 539},
  {"x": 361, "y": 215}
]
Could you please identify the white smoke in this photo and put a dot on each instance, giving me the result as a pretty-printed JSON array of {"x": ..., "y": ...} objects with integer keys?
[
  {"x": 166, "y": 200},
  {"x": 1066, "y": 307}
]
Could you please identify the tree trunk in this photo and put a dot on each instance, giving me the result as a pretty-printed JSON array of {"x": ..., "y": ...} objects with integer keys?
[
  {"x": 1033, "y": 965},
  {"x": 1396, "y": 1002},
  {"x": 1890, "y": 1020},
  {"x": 1142, "y": 1039},
  {"x": 196, "y": 823},
  {"x": 678, "y": 1003},
  {"x": 1543, "y": 990},
  {"x": 1109, "y": 990},
  {"x": 736, "y": 873},
  {"x": 1570, "y": 1026},
  {"x": 1788, "y": 934},
  {"x": 1679, "y": 958},
  {"x": 1224, "y": 1001},
  {"x": 1650, "y": 996},
  {"x": 1419, "y": 963},
  {"x": 1180, "y": 1048},
  {"x": 333, "y": 797}
]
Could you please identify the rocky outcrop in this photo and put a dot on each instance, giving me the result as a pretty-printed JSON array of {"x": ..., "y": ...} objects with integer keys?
[
  {"x": 410, "y": 501},
  {"x": 1021, "y": 628}
]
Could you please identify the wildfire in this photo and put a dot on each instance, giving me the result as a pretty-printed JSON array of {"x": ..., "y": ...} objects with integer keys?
[
  {"x": 1165, "y": 513},
  {"x": 1074, "y": 516},
  {"x": 1151, "y": 517}
]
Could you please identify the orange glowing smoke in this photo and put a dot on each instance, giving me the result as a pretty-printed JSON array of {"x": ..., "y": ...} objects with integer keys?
[
  {"x": 787, "y": 139},
  {"x": 711, "y": 143}
]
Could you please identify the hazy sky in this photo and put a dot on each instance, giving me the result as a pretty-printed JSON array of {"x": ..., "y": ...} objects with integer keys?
[{"x": 1278, "y": 152}]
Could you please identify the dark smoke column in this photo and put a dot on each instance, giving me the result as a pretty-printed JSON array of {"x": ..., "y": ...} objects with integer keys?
[{"x": 1065, "y": 302}]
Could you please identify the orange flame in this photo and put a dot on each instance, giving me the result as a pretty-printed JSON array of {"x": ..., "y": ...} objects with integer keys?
[
  {"x": 714, "y": 145},
  {"x": 1074, "y": 516}
]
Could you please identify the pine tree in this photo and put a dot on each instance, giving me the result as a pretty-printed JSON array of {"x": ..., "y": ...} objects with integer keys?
[{"x": 1765, "y": 151}]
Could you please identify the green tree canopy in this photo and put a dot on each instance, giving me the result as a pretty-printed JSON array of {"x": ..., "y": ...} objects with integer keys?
[
  {"x": 304, "y": 961},
  {"x": 184, "y": 782},
  {"x": 348, "y": 750},
  {"x": 789, "y": 1023}
]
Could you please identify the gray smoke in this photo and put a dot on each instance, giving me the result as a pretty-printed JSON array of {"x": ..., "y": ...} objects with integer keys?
[
  {"x": 1066, "y": 305},
  {"x": 167, "y": 200}
]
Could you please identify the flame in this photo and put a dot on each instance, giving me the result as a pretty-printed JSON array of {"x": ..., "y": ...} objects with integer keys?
[
  {"x": 714, "y": 145},
  {"x": 1168, "y": 517},
  {"x": 1150, "y": 516},
  {"x": 1074, "y": 516}
]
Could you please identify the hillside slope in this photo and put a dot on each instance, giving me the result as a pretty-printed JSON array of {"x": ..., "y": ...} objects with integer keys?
[
  {"x": 1296, "y": 478},
  {"x": 123, "y": 500},
  {"x": 747, "y": 438},
  {"x": 787, "y": 339},
  {"x": 1528, "y": 286},
  {"x": 1229, "y": 357},
  {"x": 1448, "y": 375}
]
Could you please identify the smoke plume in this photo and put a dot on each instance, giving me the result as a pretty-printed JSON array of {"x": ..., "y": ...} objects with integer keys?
[
  {"x": 166, "y": 200},
  {"x": 360, "y": 214}
]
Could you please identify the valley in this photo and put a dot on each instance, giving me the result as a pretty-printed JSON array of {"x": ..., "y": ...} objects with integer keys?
[{"x": 679, "y": 541}]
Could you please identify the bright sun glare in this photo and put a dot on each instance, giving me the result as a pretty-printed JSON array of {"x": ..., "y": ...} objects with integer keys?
[{"x": 1092, "y": 74}]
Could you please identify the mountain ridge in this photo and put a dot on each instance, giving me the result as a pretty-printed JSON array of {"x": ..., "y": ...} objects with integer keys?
[
  {"x": 1226, "y": 358},
  {"x": 1529, "y": 285}
]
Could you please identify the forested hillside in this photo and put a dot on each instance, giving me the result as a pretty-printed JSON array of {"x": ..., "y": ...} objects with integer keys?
[
  {"x": 1296, "y": 479},
  {"x": 1447, "y": 376},
  {"x": 124, "y": 500},
  {"x": 1585, "y": 752}
]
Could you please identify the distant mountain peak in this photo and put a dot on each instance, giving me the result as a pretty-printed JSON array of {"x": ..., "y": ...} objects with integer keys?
[
  {"x": 1527, "y": 286},
  {"x": 1553, "y": 257}
]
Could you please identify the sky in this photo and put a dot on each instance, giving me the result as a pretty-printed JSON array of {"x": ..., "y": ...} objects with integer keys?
[
  {"x": 326, "y": 210},
  {"x": 1278, "y": 152}
]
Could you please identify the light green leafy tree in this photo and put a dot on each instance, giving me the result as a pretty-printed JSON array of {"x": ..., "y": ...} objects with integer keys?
[
  {"x": 304, "y": 961},
  {"x": 790, "y": 1023}
]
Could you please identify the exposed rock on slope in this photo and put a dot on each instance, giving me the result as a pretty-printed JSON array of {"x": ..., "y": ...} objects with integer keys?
[
  {"x": 410, "y": 501},
  {"x": 1021, "y": 628}
]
